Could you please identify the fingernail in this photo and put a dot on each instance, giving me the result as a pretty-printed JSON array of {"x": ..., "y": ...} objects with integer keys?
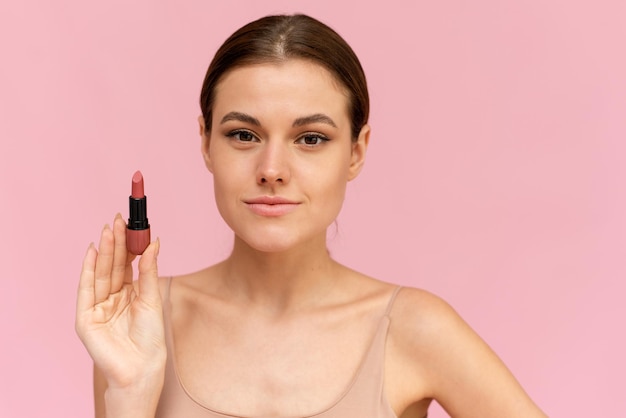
[{"x": 158, "y": 246}]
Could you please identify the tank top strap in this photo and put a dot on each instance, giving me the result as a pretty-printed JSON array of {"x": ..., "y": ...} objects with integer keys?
[
  {"x": 168, "y": 284},
  {"x": 167, "y": 320},
  {"x": 364, "y": 396},
  {"x": 392, "y": 299}
]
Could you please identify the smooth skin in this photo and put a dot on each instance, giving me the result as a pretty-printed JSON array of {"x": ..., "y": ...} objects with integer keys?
[
  {"x": 121, "y": 323},
  {"x": 279, "y": 328}
]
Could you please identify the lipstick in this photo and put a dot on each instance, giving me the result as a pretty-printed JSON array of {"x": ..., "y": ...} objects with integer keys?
[{"x": 138, "y": 228}]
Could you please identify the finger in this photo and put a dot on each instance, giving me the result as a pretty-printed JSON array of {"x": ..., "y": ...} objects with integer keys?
[
  {"x": 128, "y": 274},
  {"x": 118, "y": 271},
  {"x": 149, "y": 276},
  {"x": 104, "y": 264},
  {"x": 85, "y": 298}
]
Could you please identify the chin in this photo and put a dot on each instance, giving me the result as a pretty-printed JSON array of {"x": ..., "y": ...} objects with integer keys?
[
  {"x": 279, "y": 239},
  {"x": 265, "y": 244}
]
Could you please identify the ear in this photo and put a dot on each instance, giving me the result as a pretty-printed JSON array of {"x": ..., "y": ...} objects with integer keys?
[
  {"x": 359, "y": 149},
  {"x": 205, "y": 143}
]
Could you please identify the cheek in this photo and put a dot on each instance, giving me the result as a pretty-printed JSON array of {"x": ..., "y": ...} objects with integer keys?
[
  {"x": 226, "y": 168},
  {"x": 225, "y": 195},
  {"x": 330, "y": 185},
  {"x": 226, "y": 184}
]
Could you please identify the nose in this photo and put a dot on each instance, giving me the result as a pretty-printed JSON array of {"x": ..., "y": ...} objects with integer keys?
[{"x": 273, "y": 164}]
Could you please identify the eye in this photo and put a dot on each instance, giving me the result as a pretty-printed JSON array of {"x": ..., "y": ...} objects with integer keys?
[
  {"x": 311, "y": 139},
  {"x": 242, "y": 135}
]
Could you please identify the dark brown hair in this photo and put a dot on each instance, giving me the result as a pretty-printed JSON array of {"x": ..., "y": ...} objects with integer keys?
[{"x": 279, "y": 38}]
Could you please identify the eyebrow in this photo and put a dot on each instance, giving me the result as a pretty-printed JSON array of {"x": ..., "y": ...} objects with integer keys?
[
  {"x": 241, "y": 117},
  {"x": 304, "y": 120},
  {"x": 316, "y": 118}
]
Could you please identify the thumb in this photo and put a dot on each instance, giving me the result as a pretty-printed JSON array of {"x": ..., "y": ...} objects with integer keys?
[{"x": 148, "y": 275}]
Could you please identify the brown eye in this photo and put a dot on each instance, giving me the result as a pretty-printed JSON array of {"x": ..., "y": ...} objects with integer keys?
[
  {"x": 242, "y": 136},
  {"x": 245, "y": 136},
  {"x": 312, "y": 139}
]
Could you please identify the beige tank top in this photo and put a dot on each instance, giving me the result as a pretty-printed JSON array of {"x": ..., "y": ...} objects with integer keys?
[{"x": 364, "y": 397}]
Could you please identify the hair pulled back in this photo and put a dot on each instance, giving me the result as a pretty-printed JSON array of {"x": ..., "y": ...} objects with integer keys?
[{"x": 279, "y": 38}]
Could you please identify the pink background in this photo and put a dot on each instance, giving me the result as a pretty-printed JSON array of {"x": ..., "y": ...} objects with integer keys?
[{"x": 495, "y": 176}]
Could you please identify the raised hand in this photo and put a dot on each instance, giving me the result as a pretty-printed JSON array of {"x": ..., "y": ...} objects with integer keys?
[{"x": 119, "y": 322}]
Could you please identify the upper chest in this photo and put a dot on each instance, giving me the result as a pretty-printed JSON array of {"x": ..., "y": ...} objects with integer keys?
[{"x": 232, "y": 361}]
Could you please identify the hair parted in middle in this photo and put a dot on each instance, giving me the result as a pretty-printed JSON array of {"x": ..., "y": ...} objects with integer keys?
[{"x": 283, "y": 37}]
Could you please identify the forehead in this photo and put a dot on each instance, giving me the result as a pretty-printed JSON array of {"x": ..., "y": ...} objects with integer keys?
[{"x": 292, "y": 87}]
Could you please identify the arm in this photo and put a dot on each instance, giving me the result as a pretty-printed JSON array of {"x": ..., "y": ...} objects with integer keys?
[
  {"x": 134, "y": 402},
  {"x": 455, "y": 366}
]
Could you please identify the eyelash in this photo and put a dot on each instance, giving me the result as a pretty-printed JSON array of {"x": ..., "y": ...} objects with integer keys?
[
  {"x": 322, "y": 139},
  {"x": 237, "y": 132}
]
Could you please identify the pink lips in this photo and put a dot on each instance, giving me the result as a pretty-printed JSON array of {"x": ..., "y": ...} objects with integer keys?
[{"x": 271, "y": 205}]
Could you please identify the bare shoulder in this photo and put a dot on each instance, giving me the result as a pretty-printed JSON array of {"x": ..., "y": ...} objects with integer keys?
[
  {"x": 425, "y": 331},
  {"x": 449, "y": 362},
  {"x": 421, "y": 319},
  {"x": 416, "y": 303}
]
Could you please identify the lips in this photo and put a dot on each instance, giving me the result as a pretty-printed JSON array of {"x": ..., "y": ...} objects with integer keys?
[{"x": 271, "y": 206}]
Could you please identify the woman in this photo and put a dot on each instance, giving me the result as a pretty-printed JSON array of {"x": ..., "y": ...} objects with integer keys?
[{"x": 280, "y": 329}]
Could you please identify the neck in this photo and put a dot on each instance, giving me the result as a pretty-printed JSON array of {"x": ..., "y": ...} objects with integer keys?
[{"x": 280, "y": 281}]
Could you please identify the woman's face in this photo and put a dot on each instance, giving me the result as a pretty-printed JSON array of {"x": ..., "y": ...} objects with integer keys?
[{"x": 281, "y": 153}]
